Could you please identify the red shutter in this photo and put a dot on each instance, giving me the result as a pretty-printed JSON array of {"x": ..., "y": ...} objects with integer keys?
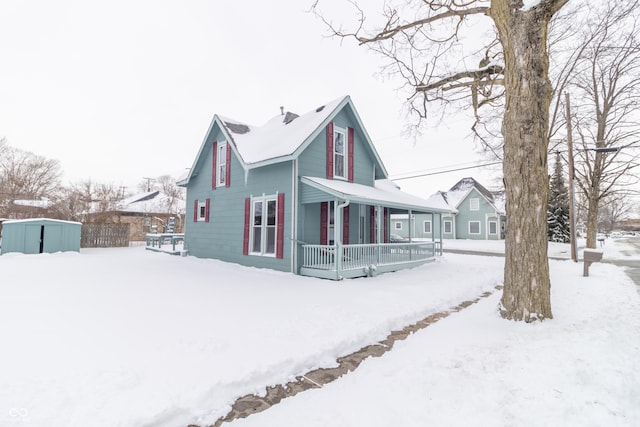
[
  {"x": 227, "y": 178},
  {"x": 345, "y": 226},
  {"x": 195, "y": 210},
  {"x": 386, "y": 225},
  {"x": 247, "y": 218},
  {"x": 213, "y": 165},
  {"x": 207, "y": 206},
  {"x": 330, "y": 150},
  {"x": 280, "y": 230},
  {"x": 372, "y": 224},
  {"x": 350, "y": 154},
  {"x": 324, "y": 218}
]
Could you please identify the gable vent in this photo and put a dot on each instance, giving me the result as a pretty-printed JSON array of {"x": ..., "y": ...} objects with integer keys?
[{"x": 319, "y": 109}]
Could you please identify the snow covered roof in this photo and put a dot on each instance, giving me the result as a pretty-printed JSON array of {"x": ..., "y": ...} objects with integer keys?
[
  {"x": 462, "y": 188},
  {"x": 148, "y": 202},
  {"x": 43, "y": 203},
  {"x": 385, "y": 192},
  {"x": 281, "y": 138},
  {"x": 26, "y": 220}
]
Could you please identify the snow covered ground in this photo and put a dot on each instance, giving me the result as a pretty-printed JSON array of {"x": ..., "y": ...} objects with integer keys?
[{"x": 128, "y": 337}]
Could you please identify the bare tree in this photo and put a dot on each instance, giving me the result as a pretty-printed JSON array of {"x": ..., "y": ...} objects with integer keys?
[
  {"x": 605, "y": 89},
  {"x": 435, "y": 47},
  {"x": 166, "y": 184},
  {"x": 25, "y": 175},
  {"x": 176, "y": 196},
  {"x": 614, "y": 209}
]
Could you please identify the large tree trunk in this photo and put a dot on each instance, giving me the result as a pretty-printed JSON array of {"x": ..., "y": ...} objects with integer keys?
[
  {"x": 592, "y": 220},
  {"x": 523, "y": 34}
]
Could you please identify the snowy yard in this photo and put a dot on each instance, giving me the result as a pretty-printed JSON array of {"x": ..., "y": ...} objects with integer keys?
[{"x": 128, "y": 337}]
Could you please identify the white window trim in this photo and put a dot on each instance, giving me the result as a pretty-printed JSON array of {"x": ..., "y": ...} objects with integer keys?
[
  {"x": 489, "y": 228},
  {"x": 424, "y": 227},
  {"x": 444, "y": 226},
  {"x": 263, "y": 226},
  {"x": 397, "y": 225},
  {"x": 345, "y": 153},
  {"x": 474, "y": 204},
  {"x": 479, "y": 228},
  {"x": 202, "y": 211},
  {"x": 221, "y": 161}
]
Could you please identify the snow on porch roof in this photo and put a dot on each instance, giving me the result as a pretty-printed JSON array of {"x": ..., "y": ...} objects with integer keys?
[{"x": 385, "y": 193}]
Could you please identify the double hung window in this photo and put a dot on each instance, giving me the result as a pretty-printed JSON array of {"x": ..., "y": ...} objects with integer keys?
[
  {"x": 264, "y": 223},
  {"x": 339, "y": 153},
  {"x": 221, "y": 158},
  {"x": 474, "y": 227},
  {"x": 493, "y": 227}
]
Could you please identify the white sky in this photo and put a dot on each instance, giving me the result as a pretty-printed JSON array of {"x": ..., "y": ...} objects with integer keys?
[{"x": 121, "y": 90}]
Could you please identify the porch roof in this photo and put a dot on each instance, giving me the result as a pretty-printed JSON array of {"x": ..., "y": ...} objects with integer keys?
[{"x": 384, "y": 193}]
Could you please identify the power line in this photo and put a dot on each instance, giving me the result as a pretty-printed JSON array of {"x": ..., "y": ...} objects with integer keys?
[{"x": 445, "y": 171}]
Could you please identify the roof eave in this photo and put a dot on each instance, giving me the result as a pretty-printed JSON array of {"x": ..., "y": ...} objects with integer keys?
[{"x": 367, "y": 200}]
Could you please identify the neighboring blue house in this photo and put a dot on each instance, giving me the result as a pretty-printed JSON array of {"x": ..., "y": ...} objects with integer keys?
[
  {"x": 294, "y": 193},
  {"x": 476, "y": 213}
]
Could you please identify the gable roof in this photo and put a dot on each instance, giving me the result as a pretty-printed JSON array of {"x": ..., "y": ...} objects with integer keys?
[
  {"x": 460, "y": 190},
  {"x": 282, "y": 138}
]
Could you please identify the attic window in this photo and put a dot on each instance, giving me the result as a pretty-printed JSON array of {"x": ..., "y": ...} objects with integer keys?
[
  {"x": 237, "y": 128},
  {"x": 319, "y": 109}
]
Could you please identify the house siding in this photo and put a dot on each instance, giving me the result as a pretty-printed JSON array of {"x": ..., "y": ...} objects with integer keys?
[
  {"x": 222, "y": 237},
  {"x": 417, "y": 226},
  {"x": 465, "y": 215},
  {"x": 313, "y": 159}
]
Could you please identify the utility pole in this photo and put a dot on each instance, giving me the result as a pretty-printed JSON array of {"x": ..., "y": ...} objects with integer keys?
[
  {"x": 572, "y": 202},
  {"x": 148, "y": 183}
]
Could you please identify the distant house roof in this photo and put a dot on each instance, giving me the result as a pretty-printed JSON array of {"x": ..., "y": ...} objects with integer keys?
[
  {"x": 42, "y": 203},
  {"x": 281, "y": 138},
  {"x": 151, "y": 202},
  {"x": 461, "y": 189},
  {"x": 148, "y": 202}
]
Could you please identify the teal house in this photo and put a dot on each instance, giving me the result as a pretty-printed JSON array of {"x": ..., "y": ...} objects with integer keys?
[
  {"x": 475, "y": 213},
  {"x": 40, "y": 235},
  {"x": 307, "y": 194}
]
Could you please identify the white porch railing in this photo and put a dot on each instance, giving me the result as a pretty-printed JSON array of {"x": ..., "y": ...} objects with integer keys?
[{"x": 363, "y": 259}]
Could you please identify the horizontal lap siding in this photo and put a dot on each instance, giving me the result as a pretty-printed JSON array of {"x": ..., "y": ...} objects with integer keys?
[
  {"x": 222, "y": 237},
  {"x": 465, "y": 215},
  {"x": 313, "y": 159}
]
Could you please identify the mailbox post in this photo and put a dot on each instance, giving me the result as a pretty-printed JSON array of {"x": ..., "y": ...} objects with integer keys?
[{"x": 589, "y": 257}]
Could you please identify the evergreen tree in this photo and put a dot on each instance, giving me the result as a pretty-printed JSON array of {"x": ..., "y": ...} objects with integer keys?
[{"x": 558, "y": 213}]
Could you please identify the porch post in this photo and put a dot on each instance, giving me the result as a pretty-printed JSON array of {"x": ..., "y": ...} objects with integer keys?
[
  {"x": 379, "y": 238},
  {"x": 337, "y": 233},
  {"x": 441, "y": 234},
  {"x": 412, "y": 230},
  {"x": 433, "y": 232}
]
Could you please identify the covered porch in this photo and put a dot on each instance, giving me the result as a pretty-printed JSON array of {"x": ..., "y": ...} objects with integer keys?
[{"x": 345, "y": 229}]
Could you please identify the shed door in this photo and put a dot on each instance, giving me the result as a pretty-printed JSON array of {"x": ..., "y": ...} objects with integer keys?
[
  {"x": 32, "y": 238},
  {"x": 52, "y": 238}
]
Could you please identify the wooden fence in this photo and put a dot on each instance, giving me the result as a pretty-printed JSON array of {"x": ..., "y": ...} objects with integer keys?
[{"x": 104, "y": 235}]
